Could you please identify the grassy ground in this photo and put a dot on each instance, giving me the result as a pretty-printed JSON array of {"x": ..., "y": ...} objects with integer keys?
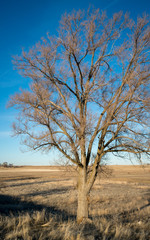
[{"x": 41, "y": 203}]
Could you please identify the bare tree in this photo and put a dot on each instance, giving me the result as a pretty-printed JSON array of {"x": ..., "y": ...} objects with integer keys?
[{"x": 89, "y": 93}]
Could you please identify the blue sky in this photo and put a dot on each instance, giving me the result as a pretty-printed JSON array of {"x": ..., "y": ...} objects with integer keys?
[{"x": 22, "y": 24}]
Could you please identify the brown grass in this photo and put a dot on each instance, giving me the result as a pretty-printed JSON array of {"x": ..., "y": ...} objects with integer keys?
[{"x": 37, "y": 203}]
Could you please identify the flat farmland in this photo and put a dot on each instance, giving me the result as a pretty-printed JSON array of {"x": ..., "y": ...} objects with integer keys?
[{"x": 40, "y": 202}]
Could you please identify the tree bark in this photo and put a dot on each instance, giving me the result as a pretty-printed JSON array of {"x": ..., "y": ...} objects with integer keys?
[
  {"x": 83, "y": 202},
  {"x": 83, "y": 206}
]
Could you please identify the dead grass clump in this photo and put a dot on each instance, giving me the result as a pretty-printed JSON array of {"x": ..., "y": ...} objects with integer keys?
[
  {"x": 42, "y": 225},
  {"x": 123, "y": 228},
  {"x": 38, "y": 225}
]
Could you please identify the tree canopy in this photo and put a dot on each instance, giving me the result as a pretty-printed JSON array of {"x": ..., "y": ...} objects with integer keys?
[{"x": 89, "y": 94}]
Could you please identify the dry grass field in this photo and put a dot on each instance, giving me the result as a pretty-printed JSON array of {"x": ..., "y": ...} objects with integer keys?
[{"x": 41, "y": 202}]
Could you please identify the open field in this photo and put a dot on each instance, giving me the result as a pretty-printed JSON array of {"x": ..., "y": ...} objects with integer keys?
[{"x": 41, "y": 203}]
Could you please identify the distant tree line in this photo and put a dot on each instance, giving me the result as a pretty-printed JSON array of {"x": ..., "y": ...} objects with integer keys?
[{"x": 6, "y": 164}]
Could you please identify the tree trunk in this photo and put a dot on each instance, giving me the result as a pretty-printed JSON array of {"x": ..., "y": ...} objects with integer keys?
[
  {"x": 83, "y": 203},
  {"x": 83, "y": 206}
]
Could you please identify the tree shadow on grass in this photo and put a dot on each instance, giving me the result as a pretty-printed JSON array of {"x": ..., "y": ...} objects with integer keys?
[
  {"x": 29, "y": 183},
  {"x": 49, "y": 192},
  {"x": 18, "y": 178},
  {"x": 14, "y": 205}
]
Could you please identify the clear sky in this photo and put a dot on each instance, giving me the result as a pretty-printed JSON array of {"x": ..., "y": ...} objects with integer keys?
[{"x": 22, "y": 24}]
